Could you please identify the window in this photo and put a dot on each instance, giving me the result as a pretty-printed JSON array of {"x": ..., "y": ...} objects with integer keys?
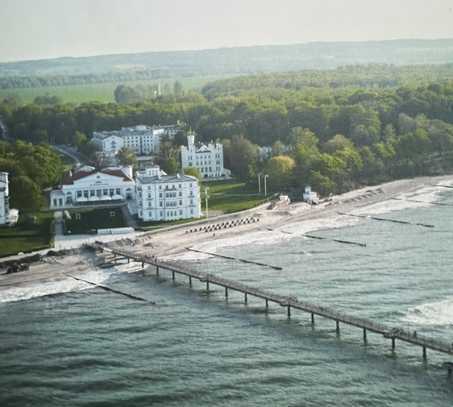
[{"x": 118, "y": 191}]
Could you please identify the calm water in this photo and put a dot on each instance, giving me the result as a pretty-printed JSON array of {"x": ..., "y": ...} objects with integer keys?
[{"x": 93, "y": 348}]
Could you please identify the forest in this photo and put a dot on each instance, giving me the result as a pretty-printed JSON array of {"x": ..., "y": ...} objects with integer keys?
[
  {"x": 31, "y": 168},
  {"x": 334, "y": 134}
]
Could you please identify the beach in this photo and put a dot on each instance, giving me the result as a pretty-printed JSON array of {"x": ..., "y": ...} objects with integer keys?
[{"x": 284, "y": 222}]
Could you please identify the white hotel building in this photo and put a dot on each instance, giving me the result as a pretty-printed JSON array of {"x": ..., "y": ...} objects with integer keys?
[
  {"x": 166, "y": 197},
  {"x": 143, "y": 140},
  {"x": 208, "y": 159},
  {"x": 88, "y": 186},
  {"x": 4, "y": 198}
]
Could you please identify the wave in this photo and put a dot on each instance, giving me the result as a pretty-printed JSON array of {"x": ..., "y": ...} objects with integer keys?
[
  {"x": 438, "y": 313},
  {"x": 40, "y": 288}
]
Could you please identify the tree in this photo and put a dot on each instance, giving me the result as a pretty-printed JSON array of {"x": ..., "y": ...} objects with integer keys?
[
  {"x": 280, "y": 170},
  {"x": 127, "y": 95},
  {"x": 193, "y": 171},
  {"x": 126, "y": 156},
  {"x": 336, "y": 143},
  {"x": 178, "y": 89},
  {"x": 242, "y": 156},
  {"x": 25, "y": 194}
]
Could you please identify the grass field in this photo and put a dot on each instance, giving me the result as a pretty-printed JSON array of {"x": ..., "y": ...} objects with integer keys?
[
  {"x": 230, "y": 196},
  {"x": 100, "y": 92},
  {"x": 86, "y": 221},
  {"x": 152, "y": 225},
  {"x": 26, "y": 236}
]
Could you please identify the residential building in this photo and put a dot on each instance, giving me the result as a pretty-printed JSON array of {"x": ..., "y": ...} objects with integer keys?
[
  {"x": 162, "y": 197},
  {"x": 208, "y": 159},
  {"x": 141, "y": 139},
  {"x": 4, "y": 198},
  {"x": 88, "y": 186}
]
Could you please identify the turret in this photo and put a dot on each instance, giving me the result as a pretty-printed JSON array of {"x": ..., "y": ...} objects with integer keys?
[{"x": 191, "y": 140}]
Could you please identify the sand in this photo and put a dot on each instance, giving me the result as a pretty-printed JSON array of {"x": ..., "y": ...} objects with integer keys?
[{"x": 283, "y": 222}]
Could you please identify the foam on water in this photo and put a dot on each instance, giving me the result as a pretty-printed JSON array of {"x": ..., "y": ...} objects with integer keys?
[
  {"x": 64, "y": 285},
  {"x": 438, "y": 313},
  {"x": 428, "y": 195}
]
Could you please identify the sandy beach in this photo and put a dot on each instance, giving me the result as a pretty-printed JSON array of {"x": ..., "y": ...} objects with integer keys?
[{"x": 50, "y": 275}]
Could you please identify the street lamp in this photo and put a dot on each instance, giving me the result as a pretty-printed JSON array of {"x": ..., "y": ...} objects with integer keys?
[
  {"x": 206, "y": 197},
  {"x": 265, "y": 184},
  {"x": 259, "y": 182}
]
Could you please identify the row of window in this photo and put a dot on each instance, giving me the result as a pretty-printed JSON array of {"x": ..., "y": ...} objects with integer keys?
[{"x": 99, "y": 192}]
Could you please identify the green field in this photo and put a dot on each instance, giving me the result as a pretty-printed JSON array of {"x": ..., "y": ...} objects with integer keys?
[
  {"x": 100, "y": 92},
  {"x": 87, "y": 221},
  {"x": 26, "y": 236},
  {"x": 154, "y": 225},
  {"x": 230, "y": 196}
]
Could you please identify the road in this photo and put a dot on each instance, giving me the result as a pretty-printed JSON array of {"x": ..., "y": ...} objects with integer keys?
[{"x": 70, "y": 152}]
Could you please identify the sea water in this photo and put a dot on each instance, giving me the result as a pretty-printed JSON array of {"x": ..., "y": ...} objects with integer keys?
[{"x": 95, "y": 348}]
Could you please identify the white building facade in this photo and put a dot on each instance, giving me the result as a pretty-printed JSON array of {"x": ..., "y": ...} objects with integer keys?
[
  {"x": 4, "y": 198},
  {"x": 166, "y": 197},
  {"x": 143, "y": 140},
  {"x": 208, "y": 159},
  {"x": 89, "y": 187}
]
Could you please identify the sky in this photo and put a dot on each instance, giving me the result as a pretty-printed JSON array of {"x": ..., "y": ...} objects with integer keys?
[{"x": 35, "y": 29}]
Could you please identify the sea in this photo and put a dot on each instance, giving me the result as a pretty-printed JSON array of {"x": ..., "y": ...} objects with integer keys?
[{"x": 187, "y": 347}]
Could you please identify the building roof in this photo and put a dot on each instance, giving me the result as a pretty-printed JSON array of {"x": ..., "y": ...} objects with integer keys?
[
  {"x": 133, "y": 130},
  {"x": 70, "y": 178},
  {"x": 164, "y": 179}
]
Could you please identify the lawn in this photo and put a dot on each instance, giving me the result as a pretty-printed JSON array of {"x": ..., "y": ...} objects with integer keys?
[
  {"x": 98, "y": 92},
  {"x": 27, "y": 236},
  {"x": 85, "y": 221},
  {"x": 154, "y": 225},
  {"x": 230, "y": 196}
]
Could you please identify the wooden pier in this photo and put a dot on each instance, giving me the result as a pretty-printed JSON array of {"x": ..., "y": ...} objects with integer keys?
[{"x": 291, "y": 303}]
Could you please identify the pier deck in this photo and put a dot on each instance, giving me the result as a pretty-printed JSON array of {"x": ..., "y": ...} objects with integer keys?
[{"x": 290, "y": 303}]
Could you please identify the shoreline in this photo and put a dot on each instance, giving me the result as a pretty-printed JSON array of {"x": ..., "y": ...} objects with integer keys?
[{"x": 284, "y": 222}]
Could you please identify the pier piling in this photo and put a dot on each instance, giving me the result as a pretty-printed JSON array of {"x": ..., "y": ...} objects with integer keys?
[
  {"x": 173, "y": 275},
  {"x": 313, "y": 309}
]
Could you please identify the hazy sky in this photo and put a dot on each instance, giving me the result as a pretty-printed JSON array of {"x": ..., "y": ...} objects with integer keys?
[{"x": 31, "y": 29}]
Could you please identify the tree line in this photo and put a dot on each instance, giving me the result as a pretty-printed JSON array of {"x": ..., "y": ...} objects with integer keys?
[
  {"x": 333, "y": 138},
  {"x": 31, "y": 168}
]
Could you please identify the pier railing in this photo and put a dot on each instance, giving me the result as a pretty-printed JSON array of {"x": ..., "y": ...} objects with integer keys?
[{"x": 290, "y": 302}]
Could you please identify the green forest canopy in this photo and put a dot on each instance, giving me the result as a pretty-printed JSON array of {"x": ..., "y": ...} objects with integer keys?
[{"x": 340, "y": 128}]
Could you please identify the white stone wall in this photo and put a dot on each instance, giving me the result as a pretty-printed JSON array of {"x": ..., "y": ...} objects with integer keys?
[
  {"x": 4, "y": 198},
  {"x": 141, "y": 139},
  {"x": 208, "y": 159},
  {"x": 167, "y": 198},
  {"x": 92, "y": 189}
]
